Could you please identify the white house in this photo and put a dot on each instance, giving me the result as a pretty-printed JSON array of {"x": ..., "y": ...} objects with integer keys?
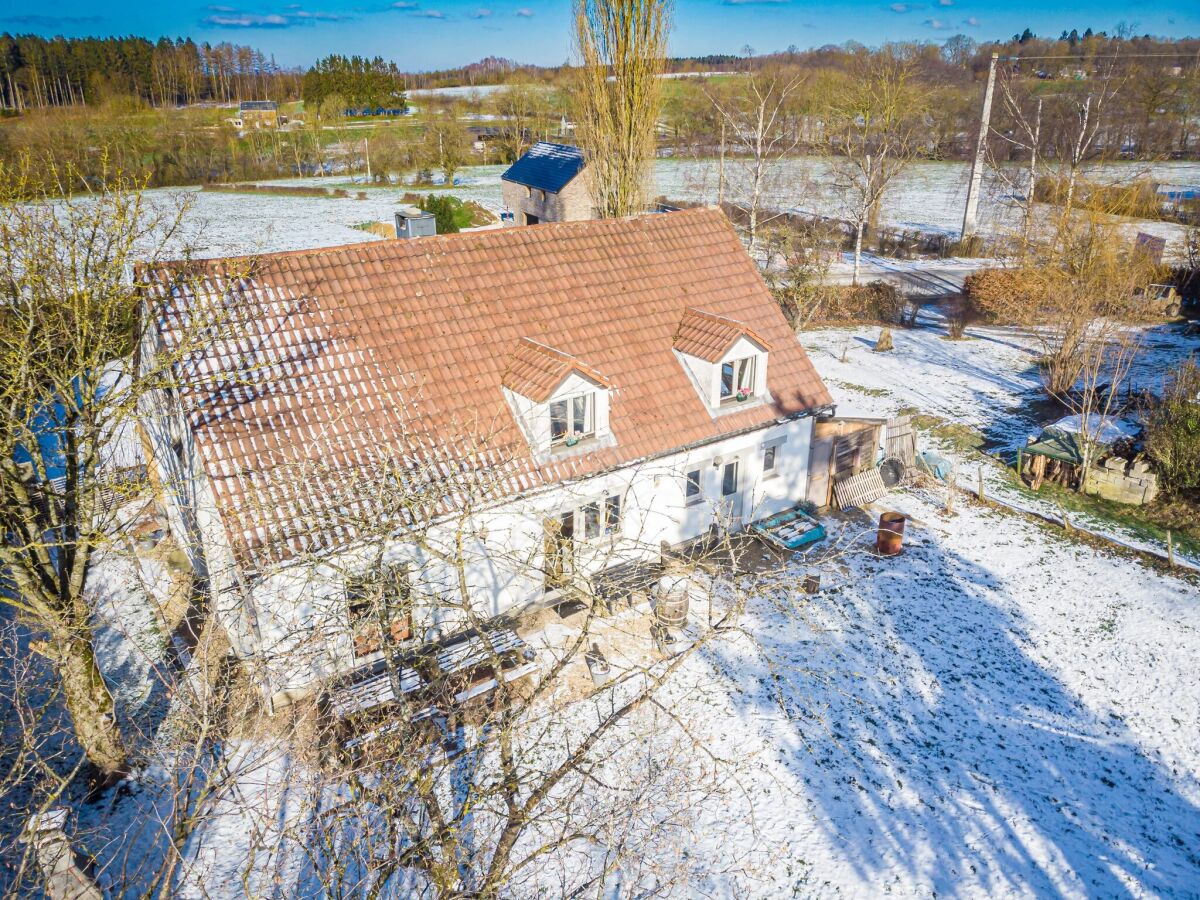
[{"x": 475, "y": 420}]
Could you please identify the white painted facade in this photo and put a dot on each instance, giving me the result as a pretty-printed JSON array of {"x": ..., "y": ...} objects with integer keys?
[{"x": 291, "y": 626}]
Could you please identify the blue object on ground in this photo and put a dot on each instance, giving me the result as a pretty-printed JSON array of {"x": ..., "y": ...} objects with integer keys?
[
  {"x": 938, "y": 466},
  {"x": 790, "y": 529}
]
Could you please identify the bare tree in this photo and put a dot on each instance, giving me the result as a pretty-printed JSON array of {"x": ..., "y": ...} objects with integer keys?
[
  {"x": 1080, "y": 122},
  {"x": 523, "y": 109},
  {"x": 1106, "y": 359},
  {"x": 875, "y": 133},
  {"x": 445, "y": 140},
  {"x": 622, "y": 47},
  {"x": 758, "y": 111},
  {"x": 70, "y": 317}
]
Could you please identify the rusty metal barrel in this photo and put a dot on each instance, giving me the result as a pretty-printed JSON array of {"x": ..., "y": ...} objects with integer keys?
[{"x": 889, "y": 539}]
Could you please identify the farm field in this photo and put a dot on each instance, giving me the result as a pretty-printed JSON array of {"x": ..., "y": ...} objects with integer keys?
[{"x": 929, "y": 197}]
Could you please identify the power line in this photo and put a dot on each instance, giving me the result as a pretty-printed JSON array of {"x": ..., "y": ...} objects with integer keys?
[{"x": 1100, "y": 56}]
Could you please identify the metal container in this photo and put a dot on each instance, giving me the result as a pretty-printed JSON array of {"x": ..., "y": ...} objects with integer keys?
[
  {"x": 889, "y": 539},
  {"x": 598, "y": 666}
]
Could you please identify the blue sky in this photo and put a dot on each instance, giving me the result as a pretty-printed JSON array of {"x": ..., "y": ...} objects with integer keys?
[{"x": 423, "y": 34}]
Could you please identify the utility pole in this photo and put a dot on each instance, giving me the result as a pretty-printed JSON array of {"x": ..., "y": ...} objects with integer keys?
[
  {"x": 985, "y": 119},
  {"x": 721, "y": 169},
  {"x": 367, "y": 151}
]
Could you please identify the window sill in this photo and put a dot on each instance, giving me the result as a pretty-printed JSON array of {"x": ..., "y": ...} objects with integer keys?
[
  {"x": 727, "y": 407},
  {"x": 588, "y": 445}
]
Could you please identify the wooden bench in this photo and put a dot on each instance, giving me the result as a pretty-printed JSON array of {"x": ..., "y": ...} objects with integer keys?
[{"x": 459, "y": 656}]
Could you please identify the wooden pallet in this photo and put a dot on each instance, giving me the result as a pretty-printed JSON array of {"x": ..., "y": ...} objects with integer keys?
[{"x": 859, "y": 490}]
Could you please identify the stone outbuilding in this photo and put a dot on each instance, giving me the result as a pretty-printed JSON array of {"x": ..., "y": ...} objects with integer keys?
[{"x": 549, "y": 184}]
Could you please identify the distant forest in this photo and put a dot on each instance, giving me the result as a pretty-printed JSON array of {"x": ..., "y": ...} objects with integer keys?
[{"x": 38, "y": 72}]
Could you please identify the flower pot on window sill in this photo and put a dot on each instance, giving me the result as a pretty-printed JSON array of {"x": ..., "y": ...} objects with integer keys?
[
  {"x": 401, "y": 629},
  {"x": 366, "y": 642},
  {"x": 571, "y": 441},
  {"x": 742, "y": 398}
]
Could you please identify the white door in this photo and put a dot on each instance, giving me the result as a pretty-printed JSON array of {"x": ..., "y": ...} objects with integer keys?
[{"x": 731, "y": 494}]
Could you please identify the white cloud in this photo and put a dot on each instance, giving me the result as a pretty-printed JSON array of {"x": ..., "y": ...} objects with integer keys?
[
  {"x": 524, "y": 12},
  {"x": 247, "y": 20}
]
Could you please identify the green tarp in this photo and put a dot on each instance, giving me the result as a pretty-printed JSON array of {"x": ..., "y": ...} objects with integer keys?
[{"x": 1060, "y": 445}]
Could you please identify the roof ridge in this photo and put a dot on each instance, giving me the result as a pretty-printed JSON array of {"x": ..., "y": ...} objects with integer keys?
[{"x": 488, "y": 234}]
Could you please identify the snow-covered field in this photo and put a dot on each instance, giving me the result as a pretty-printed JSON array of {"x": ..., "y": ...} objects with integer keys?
[
  {"x": 996, "y": 712},
  {"x": 929, "y": 196}
]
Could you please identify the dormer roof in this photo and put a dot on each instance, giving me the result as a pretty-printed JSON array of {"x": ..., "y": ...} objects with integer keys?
[
  {"x": 535, "y": 370},
  {"x": 708, "y": 336}
]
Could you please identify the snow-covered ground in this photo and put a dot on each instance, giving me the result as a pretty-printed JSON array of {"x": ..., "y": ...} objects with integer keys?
[
  {"x": 988, "y": 382},
  {"x": 997, "y": 711},
  {"x": 929, "y": 196}
]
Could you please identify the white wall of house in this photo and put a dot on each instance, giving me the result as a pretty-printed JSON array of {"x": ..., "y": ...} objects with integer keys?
[{"x": 302, "y": 614}]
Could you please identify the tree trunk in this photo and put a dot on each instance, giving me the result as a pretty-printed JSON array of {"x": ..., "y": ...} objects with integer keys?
[
  {"x": 858, "y": 236},
  {"x": 90, "y": 704}
]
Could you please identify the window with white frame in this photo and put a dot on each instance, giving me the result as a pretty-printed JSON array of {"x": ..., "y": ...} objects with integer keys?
[
  {"x": 692, "y": 491},
  {"x": 770, "y": 459},
  {"x": 572, "y": 419},
  {"x": 737, "y": 380},
  {"x": 594, "y": 519}
]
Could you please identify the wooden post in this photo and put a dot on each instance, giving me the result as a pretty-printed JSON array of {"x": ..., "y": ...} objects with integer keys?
[
  {"x": 1170, "y": 549},
  {"x": 981, "y": 498}
]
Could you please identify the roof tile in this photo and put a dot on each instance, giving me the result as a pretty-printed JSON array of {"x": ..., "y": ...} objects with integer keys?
[{"x": 309, "y": 388}]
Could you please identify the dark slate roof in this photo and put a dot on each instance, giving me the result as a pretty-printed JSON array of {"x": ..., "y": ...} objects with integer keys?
[
  {"x": 264, "y": 105},
  {"x": 547, "y": 166}
]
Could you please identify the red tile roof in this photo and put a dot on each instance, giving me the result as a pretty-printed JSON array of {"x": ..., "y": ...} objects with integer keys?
[
  {"x": 708, "y": 336},
  {"x": 535, "y": 370},
  {"x": 326, "y": 373}
]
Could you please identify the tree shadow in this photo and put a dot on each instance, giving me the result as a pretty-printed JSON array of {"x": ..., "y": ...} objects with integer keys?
[{"x": 933, "y": 743}]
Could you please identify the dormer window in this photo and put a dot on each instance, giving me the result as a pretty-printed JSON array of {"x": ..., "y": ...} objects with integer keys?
[
  {"x": 737, "y": 380},
  {"x": 560, "y": 402},
  {"x": 725, "y": 359},
  {"x": 572, "y": 419}
]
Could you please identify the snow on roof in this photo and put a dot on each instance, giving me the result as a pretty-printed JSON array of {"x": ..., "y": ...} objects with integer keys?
[{"x": 1102, "y": 429}]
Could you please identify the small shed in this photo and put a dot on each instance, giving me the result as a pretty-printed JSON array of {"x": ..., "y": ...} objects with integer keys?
[
  {"x": 412, "y": 222},
  {"x": 259, "y": 113}
]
